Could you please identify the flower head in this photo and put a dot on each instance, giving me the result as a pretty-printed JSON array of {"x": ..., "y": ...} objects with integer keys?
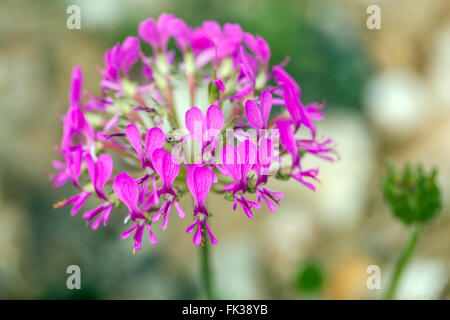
[{"x": 232, "y": 145}]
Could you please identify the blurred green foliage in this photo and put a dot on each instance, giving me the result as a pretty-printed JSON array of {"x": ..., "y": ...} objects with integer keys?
[
  {"x": 310, "y": 277},
  {"x": 412, "y": 194}
]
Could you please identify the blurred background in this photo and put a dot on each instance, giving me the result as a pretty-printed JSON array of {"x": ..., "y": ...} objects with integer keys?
[{"x": 388, "y": 98}]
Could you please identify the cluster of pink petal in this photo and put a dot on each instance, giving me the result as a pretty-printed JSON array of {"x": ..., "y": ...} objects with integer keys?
[{"x": 121, "y": 148}]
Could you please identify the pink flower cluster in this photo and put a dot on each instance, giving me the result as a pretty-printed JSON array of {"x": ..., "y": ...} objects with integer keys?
[{"x": 211, "y": 116}]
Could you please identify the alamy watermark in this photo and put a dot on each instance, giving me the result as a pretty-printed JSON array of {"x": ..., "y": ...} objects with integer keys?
[
  {"x": 374, "y": 280},
  {"x": 74, "y": 280},
  {"x": 374, "y": 19},
  {"x": 74, "y": 19}
]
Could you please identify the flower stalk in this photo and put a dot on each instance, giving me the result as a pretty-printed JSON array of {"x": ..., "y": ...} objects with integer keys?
[
  {"x": 206, "y": 273},
  {"x": 414, "y": 198},
  {"x": 402, "y": 263}
]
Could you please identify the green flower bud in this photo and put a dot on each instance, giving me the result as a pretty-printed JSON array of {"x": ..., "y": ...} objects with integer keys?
[
  {"x": 189, "y": 61},
  {"x": 282, "y": 176},
  {"x": 213, "y": 92},
  {"x": 228, "y": 196},
  {"x": 412, "y": 194}
]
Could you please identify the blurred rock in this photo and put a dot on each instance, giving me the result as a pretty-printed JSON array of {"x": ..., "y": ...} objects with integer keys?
[
  {"x": 340, "y": 200},
  {"x": 347, "y": 277},
  {"x": 439, "y": 69},
  {"x": 341, "y": 179},
  {"x": 14, "y": 233},
  {"x": 396, "y": 103},
  {"x": 423, "y": 279}
]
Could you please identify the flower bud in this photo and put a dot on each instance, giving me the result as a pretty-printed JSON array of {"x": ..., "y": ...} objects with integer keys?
[{"x": 412, "y": 194}]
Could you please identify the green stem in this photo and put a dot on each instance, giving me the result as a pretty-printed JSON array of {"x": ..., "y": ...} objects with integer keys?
[
  {"x": 206, "y": 271},
  {"x": 402, "y": 263}
]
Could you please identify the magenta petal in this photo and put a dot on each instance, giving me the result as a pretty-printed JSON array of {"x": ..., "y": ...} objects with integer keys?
[
  {"x": 126, "y": 233},
  {"x": 138, "y": 237},
  {"x": 235, "y": 202},
  {"x": 264, "y": 49},
  {"x": 244, "y": 91},
  {"x": 195, "y": 123},
  {"x": 74, "y": 162},
  {"x": 181, "y": 32},
  {"x": 246, "y": 209},
  {"x": 230, "y": 158},
  {"x": 202, "y": 183},
  {"x": 265, "y": 105},
  {"x": 58, "y": 165},
  {"x": 170, "y": 169},
  {"x": 258, "y": 45},
  {"x": 191, "y": 227},
  {"x": 211, "y": 236},
  {"x": 76, "y": 87},
  {"x": 212, "y": 29},
  {"x": 253, "y": 114},
  {"x": 149, "y": 31},
  {"x": 180, "y": 211},
  {"x": 265, "y": 152},
  {"x": 250, "y": 42},
  {"x": 152, "y": 236},
  {"x": 135, "y": 139},
  {"x": 89, "y": 215},
  {"x": 155, "y": 190},
  {"x": 126, "y": 190},
  {"x": 198, "y": 234},
  {"x": 97, "y": 223},
  {"x": 111, "y": 123},
  {"x": 80, "y": 200},
  {"x": 286, "y": 80},
  {"x": 269, "y": 204},
  {"x": 166, "y": 215},
  {"x": 103, "y": 217},
  {"x": 245, "y": 65},
  {"x": 60, "y": 178},
  {"x": 233, "y": 32},
  {"x": 154, "y": 139},
  {"x": 220, "y": 85},
  {"x": 214, "y": 118},
  {"x": 143, "y": 188},
  {"x": 291, "y": 105},
  {"x": 158, "y": 214},
  {"x": 287, "y": 140},
  {"x": 247, "y": 154},
  {"x": 254, "y": 204},
  {"x": 106, "y": 214},
  {"x": 157, "y": 160},
  {"x": 213, "y": 175},
  {"x": 190, "y": 180},
  {"x": 129, "y": 53},
  {"x": 90, "y": 165},
  {"x": 164, "y": 22},
  {"x": 103, "y": 171}
]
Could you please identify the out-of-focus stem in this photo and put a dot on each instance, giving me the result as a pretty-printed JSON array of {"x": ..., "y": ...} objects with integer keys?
[
  {"x": 191, "y": 85},
  {"x": 206, "y": 271},
  {"x": 402, "y": 263},
  {"x": 171, "y": 103}
]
